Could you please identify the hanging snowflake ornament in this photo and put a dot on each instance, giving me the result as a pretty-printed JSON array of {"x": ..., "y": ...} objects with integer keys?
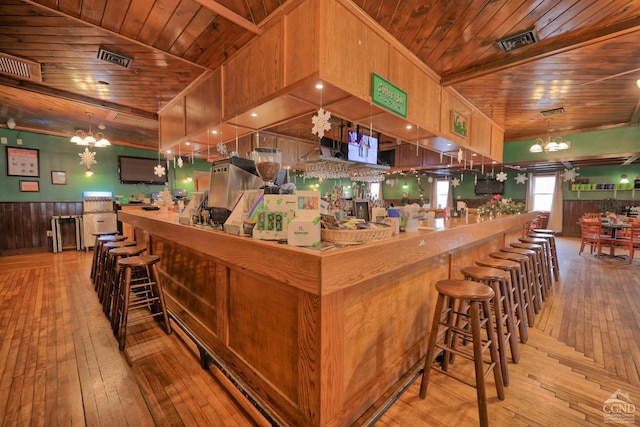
[
  {"x": 521, "y": 178},
  {"x": 460, "y": 155},
  {"x": 159, "y": 170},
  {"x": 430, "y": 179},
  {"x": 570, "y": 174},
  {"x": 321, "y": 122},
  {"x": 455, "y": 182},
  {"x": 502, "y": 177},
  {"x": 87, "y": 158},
  {"x": 180, "y": 162},
  {"x": 222, "y": 148}
]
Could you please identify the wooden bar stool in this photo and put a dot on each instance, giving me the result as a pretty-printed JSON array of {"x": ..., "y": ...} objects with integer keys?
[
  {"x": 516, "y": 296},
  {"x": 542, "y": 271},
  {"x": 524, "y": 279},
  {"x": 113, "y": 270},
  {"x": 99, "y": 254},
  {"x": 139, "y": 288},
  {"x": 536, "y": 276},
  {"x": 553, "y": 252},
  {"x": 546, "y": 256},
  {"x": 504, "y": 319},
  {"x": 103, "y": 267},
  {"x": 477, "y": 298},
  {"x": 96, "y": 243}
]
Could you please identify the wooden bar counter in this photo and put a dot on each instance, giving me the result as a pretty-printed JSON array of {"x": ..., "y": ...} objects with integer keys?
[{"x": 316, "y": 337}]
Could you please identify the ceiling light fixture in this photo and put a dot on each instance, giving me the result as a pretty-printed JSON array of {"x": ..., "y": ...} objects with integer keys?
[
  {"x": 87, "y": 138},
  {"x": 549, "y": 144}
]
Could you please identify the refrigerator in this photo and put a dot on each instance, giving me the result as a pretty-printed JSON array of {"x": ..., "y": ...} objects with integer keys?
[{"x": 98, "y": 215}]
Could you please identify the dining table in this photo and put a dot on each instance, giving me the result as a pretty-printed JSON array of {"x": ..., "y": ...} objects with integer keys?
[{"x": 614, "y": 227}]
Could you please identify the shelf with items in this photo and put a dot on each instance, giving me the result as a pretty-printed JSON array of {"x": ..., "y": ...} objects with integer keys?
[{"x": 602, "y": 187}]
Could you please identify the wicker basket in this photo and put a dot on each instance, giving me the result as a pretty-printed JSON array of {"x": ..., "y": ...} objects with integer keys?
[{"x": 353, "y": 237}]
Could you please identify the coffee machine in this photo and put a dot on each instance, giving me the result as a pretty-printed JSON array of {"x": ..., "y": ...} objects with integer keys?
[{"x": 229, "y": 178}]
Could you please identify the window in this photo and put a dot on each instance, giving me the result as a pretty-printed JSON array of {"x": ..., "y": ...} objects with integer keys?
[
  {"x": 374, "y": 190},
  {"x": 442, "y": 194},
  {"x": 543, "y": 187}
]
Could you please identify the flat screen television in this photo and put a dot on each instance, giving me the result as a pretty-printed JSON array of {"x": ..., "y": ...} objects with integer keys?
[
  {"x": 362, "y": 148},
  {"x": 489, "y": 186},
  {"x": 139, "y": 170}
]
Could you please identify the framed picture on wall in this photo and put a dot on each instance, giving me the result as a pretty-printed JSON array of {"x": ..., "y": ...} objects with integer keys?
[
  {"x": 30, "y": 186},
  {"x": 23, "y": 162},
  {"x": 458, "y": 123},
  {"x": 59, "y": 177}
]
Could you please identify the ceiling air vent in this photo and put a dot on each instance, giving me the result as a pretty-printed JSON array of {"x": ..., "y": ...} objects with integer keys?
[
  {"x": 519, "y": 40},
  {"x": 114, "y": 58},
  {"x": 21, "y": 68},
  {"x": 552, "y": 112}
]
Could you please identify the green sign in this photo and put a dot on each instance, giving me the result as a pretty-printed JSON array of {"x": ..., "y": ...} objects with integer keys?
[{"x": 388, "y": 96}]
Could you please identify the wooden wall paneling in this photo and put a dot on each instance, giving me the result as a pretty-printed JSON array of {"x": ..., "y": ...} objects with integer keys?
[
  {"x": 315, "y": 320},
  {"x": 203, "y": 103},
  {"x": 480, "y": 134},
  {"x": 451, "y": 101},
  {"x": 423, "y": 91},
  {"x": 350, "y": 50},
  {"x": 264, "y": 57},
  {"x": 263, "y": 329},
  {"x": 301, "y": 51},
  {"x": 406, "y": 156},
  {"x": 172, "y": 123},
  {"x": 290, "y": 150},
  {"x": 497, "y": 143}
]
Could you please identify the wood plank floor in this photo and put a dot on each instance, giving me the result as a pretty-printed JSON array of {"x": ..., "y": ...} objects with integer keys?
[{"x": 60, "y": 364}]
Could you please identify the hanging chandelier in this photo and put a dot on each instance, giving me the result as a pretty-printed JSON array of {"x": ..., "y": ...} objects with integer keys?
[
  {"x": 549, "y": 144},
  {"x": 89, "y": 139}
]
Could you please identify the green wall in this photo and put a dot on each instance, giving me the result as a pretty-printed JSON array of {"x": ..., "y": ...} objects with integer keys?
[{"x": 58, "y": 154}]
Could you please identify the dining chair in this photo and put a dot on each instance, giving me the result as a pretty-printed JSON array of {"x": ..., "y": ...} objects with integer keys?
[
  {"x": 592, "y": 235},
  {"x": 631, "y": 241}
]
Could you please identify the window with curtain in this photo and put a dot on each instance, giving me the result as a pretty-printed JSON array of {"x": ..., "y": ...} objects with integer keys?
[
  {"x": 543, "y": 188},
  {"x": 442, "y": 193}
]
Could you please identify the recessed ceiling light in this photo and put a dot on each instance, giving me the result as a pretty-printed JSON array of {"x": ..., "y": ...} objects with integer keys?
[
  {"x": 448, "y": 144},
  {"x": 215, "y": 132},
  {"x": 494, "y": 162},
  {"x": 409, "y": 127},
  {"x": 168, "y": 151},
  {"x": 474, "y": 154},
  {"x": 187, "y": 143},
  {"x": 254, "y": 114},
  {"x": 319, "y": 86}
]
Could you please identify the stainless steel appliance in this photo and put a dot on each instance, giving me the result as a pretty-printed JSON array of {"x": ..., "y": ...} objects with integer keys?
[
  {"x": 97, "y": 215},
  {"x": 229, "y": 178}
]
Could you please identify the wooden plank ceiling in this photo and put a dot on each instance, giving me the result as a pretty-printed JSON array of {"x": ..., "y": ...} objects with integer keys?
[{"x": 587, "y": 59}]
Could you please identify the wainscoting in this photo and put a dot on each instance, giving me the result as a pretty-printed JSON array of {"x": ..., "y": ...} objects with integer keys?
[{"x": 24, "y": 225}]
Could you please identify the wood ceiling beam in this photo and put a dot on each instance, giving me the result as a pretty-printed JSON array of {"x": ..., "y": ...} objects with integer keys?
[
  {"x": 44, "y": 90},
  {"x": 230, "y": 15},
  {"x": 543, "y": 49}
]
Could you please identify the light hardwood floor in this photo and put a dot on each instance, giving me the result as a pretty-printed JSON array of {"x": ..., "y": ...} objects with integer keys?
[{"x": 60, "y": 364}]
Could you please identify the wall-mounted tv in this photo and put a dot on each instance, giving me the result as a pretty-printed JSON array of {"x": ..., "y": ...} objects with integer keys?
[
  {"x": 489, "y": 186},
  {"x": 362, "y": 148},
  {"x": 138, "y": 170}
]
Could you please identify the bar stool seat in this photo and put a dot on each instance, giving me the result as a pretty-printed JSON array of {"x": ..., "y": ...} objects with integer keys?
[
  {"x": 103, "y": 267},
  {"x": 553, "y": 252},
  {"x": 515, "y": 288},
  {"x": 546, "y": 255},
  {"x": 477, "y": 297},
  {"x": 537, "y": 283},
  {"x": 139, "y": 288},
  {"x": 504, "y": 319},
  {"x": 112, "y": 274},
  {"x": 97, "y": 252},
  {"x": 541, "y": 266},
  {"x": 96, "y": 243},
  {"x": 525, "y": 279}
]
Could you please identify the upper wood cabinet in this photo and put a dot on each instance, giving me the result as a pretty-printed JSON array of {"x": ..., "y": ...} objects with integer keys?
[
  {"x": 203, "y": 104},
  {"x": 172, "y": 123}
]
